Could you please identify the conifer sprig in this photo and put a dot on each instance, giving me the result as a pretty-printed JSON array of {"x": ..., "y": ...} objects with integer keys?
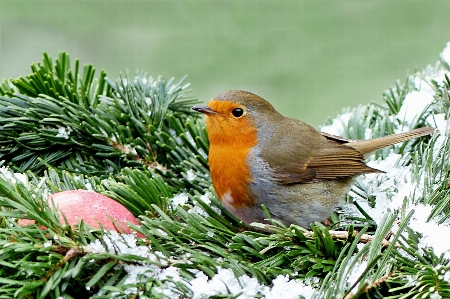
[
  {"x": 60, "y": 118},
  {"x": 137, "y": 141}
]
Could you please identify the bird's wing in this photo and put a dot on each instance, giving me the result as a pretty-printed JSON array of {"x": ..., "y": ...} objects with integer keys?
[
  {"x": 335, "y": 138},
  {"x": 313, "y": 156}
]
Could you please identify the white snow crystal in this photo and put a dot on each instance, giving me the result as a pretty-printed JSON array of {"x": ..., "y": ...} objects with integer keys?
[
  {"x": 339, "y": 124},
  {"x": 205, "y": 197},
  {"x": 224, "y": 282},
  {"x": 137, "y": 273},
  {"x": 389, "y": 188},
  {"x": 175, "y": 136},
  {"x": 288, "y": 289},
  {"x": 199, "y": 210},
  {"x": 447, "y": 276},
  {"x": 432, "y": 232},
  {"x": 113, "y": 139},
  {"x": 128, "y": 149},
  {"x": 445, "y": 55},
  {"x": 64, "y": 132},
  {"x": 435, "y": 295},
  {"x": 89, "y": 187},
  {"x": 439, "y": 122},
  {"x": 368, "y": 133},
  {"x": 423, "y": 84},
  {"x": 190, "y": 139},
  {"x": 121, "y": 244},
  {"x": 190, "y": 175},
  {"x": 414, "y": 104},
  {"x": 126, "y": 244},
  {"x": 355, "y": 272},
  {"x": 180, "y": 199},
  {"x": 203, "y": 153},
  {"x": 398, "y": 183},
  {"x": 13, "y": 177}
]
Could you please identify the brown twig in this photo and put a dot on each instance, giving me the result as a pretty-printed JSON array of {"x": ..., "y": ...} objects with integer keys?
[
  {"x": 70, "y": 254},
  {"x": 343, "y": 235},
  {"x": 375, "y": 284}
]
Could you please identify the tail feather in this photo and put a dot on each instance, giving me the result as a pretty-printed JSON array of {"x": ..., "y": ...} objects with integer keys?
[{"x": 366, "y": 147}]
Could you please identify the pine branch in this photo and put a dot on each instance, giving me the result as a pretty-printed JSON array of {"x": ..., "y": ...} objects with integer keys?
[
  {"x": 137, "y": 141},
  {"x": 69, "y": 121}
]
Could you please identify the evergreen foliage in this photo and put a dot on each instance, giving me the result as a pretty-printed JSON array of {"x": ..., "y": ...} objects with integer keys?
[{"x": 137, "y": 141}]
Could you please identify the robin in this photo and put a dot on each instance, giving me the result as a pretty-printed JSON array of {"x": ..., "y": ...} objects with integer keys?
[{"x": 258, "y": 156}]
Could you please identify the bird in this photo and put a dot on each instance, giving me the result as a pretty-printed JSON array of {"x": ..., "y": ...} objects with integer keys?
[{"x": 259, "y": 157}]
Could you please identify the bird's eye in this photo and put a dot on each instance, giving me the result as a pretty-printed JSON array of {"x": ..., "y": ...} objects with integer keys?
[{"x": 237, "y": 112}]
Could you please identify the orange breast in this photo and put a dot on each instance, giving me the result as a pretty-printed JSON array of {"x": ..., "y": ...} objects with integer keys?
[
  {"x": 231, "y": 175},
  {"x": 230, "y": 143}
]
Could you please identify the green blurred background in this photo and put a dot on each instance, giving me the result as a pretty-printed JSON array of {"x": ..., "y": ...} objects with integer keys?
[{"x": 309, "y": 58}]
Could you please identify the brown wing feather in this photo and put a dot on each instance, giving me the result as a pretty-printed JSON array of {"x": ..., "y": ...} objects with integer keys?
[
  {"x": 305, "y": 155},
  {"x": 337, "y": 160},
  {"x": 334, "y": 161},
  {"x": 312, "y": 156},
  {"x": 335, "y": 138}
]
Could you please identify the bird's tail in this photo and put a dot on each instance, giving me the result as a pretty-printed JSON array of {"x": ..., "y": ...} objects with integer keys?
[{"x": 366, "y": 147}]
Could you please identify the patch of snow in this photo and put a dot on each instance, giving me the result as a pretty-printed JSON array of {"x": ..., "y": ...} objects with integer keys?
[
  {"x": 13, "y": 177},
  {"x": 439, "y": 122},
  {"x": 355, "y": 272},
  {"x": 432, "y": 232},
  {"x": 175, "y": 137},
  {"x": 180, "y": 199},
  {"x": 190, "y": 175},
  {"x": 338, "y": 125},
  {"x": 286, "y": 288},
  {"x": 128, "y": 149},
  {"x": 206, "y": 199},
  {"x": 64, "y": 132},
  {"x": 413, "y": 106},
  {"x": 224, "y": 282},
  {"x": 389, "y": 188},
  {"x": 445, "y": 55},
  {"x": 122, "y": 244},
  {"x": 368, "y": 133}
]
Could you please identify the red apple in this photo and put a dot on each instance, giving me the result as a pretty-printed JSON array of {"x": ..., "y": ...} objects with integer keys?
[{"x": 94, "y": 208}]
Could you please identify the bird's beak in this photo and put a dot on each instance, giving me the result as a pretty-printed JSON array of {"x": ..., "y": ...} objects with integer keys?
[{"x": 204, "y": 109}]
